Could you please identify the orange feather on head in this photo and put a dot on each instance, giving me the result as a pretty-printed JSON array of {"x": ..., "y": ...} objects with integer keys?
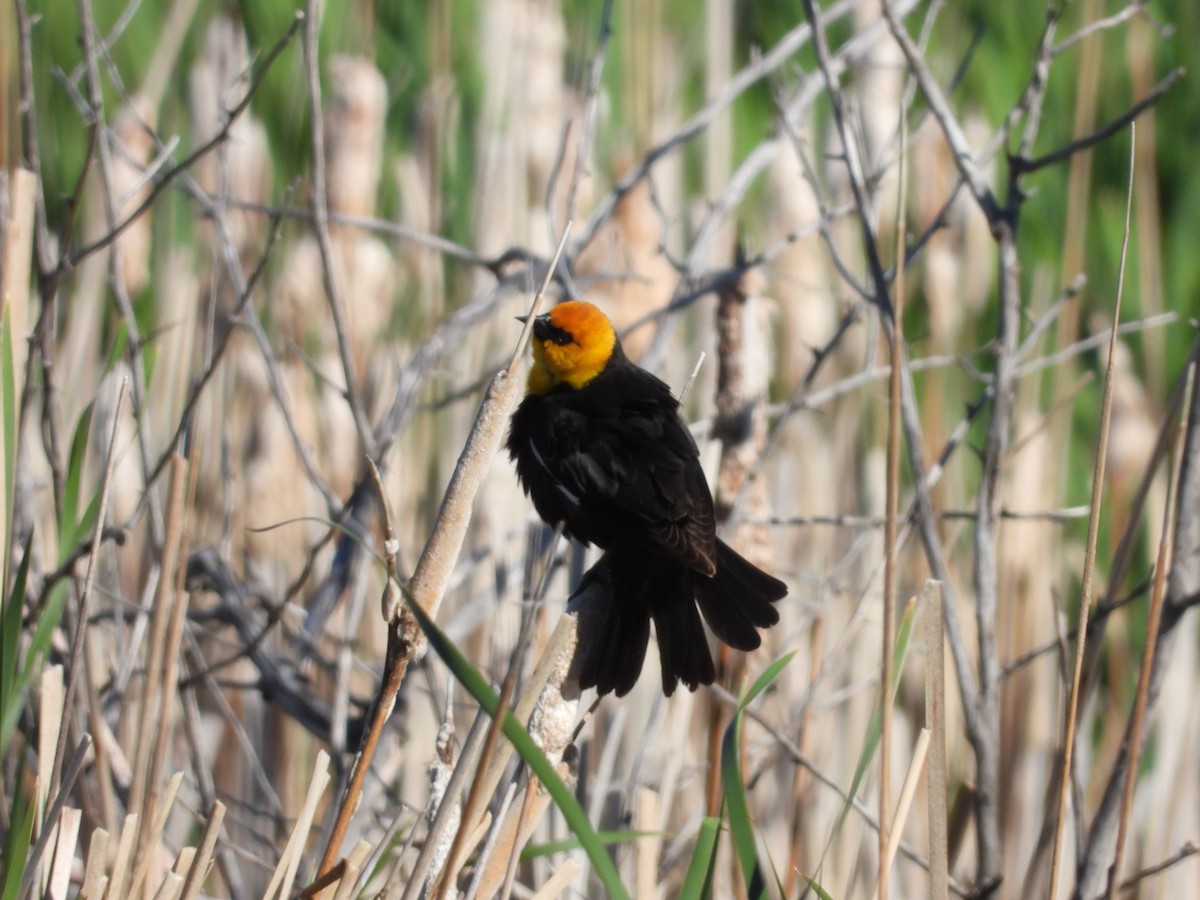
[{"x": 571, "y": 345}]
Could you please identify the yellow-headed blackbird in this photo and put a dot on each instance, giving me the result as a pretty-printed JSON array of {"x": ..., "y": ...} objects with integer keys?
[{"x": 599, "y": 446}]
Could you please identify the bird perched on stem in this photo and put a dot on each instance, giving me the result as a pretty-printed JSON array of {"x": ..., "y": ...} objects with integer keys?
[{"x": 600, "y": 447}]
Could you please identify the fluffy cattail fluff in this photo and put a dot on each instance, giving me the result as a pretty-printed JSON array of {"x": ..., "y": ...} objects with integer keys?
[
  {"x": 878, "y": 94},
  {"x": 355, "y": 107},
  {"x": 744, "y": 373},
  {"x": 241, "y": 167}
]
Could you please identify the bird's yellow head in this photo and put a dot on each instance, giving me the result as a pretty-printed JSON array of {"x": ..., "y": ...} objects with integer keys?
[{"x": 571, "y": 345}]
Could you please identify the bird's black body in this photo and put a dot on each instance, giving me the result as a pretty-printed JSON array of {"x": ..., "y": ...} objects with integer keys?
[{"x": 613, "y": 461}]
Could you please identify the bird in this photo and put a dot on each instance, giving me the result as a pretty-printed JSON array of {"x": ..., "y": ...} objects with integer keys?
[{"x": 601, "y": 449}]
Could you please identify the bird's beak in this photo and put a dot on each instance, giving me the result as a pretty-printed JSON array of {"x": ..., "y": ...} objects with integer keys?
[{"x": 522, "y": 319}]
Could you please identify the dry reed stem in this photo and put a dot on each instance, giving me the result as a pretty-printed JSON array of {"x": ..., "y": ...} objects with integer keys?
[
  {"x": 74, "y": 766},
  {"x": 59, "y": 870},
  {"x": 15, "y": 261},
  {"x": 94, "y": 866},
  {"x": 170, "y": 888},
  {"x": 50, "y": 724},
  {"x": 491, "y": 839},
  {"x": 406, "y": 641},
  {"x": 935, "y": 721},
  {"x": 475, "y": 796},
  {"x": 202, "y": 861},
  {"x": 890, "y": 527},
  {"x": 149, "y": 838},
  {"x": 448, "y": 808},
  {"x": 1089, "y": 559},
  {"x": 355, "y": 863},
  {"x": 907, "y": 791},
  {"x": 533, "y": 805},
  {"x": 560, "y": 881},
  {"x": 183, "y": 862},
  {"x": 800, "y": 780},
  {"x": 1154, "y": 619},
  {"x": 549, "y": 679},
  {"x": 436, "y": 563},
  {"x": 646, "y": 815},
  {"x": 121, "y": 860},
  {"x": 1183, "y": 589},
  {"x": 176, "y": 602},
  {"x": 280, "y": 885},
  {"x": 150, "y": 719}
]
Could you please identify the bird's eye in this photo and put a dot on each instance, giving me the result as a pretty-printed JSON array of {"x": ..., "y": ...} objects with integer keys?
[{"x": 559, "y": 336}]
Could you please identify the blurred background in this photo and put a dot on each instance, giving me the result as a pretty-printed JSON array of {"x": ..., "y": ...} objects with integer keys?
[{"x": 697, "y": 151}]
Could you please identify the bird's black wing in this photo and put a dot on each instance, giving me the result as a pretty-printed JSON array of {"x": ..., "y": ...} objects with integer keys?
[{"x": 616, "y": 463}]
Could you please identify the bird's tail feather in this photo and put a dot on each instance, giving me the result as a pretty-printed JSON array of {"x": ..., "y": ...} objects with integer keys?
[
  {"x": 739, "y": 599},
  {"x": 682, "y": 645},
  {"x": 615, "y": 652},
  {"x": 736, "y": 602}
]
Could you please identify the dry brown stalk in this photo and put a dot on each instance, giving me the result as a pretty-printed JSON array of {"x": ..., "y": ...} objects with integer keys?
[
  {"x": 475, "y": 806},
  {"x": 935, "y": 721},
  {"x": 1089, "y": 559},
  {"x": 92, "y": 886},
  {"x": 895, "y": 335},
  {"x": 280, "y": 884},
  {"x": 202, "y": 861},
  {"x": 143, "y": 792},
  {"x": 1153, "y": 622}
]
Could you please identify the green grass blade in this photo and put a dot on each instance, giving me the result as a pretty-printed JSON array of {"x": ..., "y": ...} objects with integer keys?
[
  {"x": 16, "y": 847},
  {"x": 875, "y": 730},
  {"x": 73, "y": 480},
  {"x": 741, "y": 828},
  {"x": 821, "y": 893},
  {"x": 566, "y": 845},
  {"x": 697, "y": 883},
  {"x": 770, "y": 673},
  {"x": 468, "y": 676},
  {"x": 12, "y": 684}
]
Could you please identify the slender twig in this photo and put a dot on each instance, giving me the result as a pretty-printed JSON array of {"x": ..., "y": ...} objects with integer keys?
[
  {"x": 1136, "y": 8},
  {"x": 940, "y": 106},
  {"x": 1024, "y": 166},
  {"x": 331, "y": 269},
  {"x": 1187, "y": 851},
  {"x": 851, "y": 158},
  {"x": 584, "y": 149},
  {"x": 165, "y": 179},
  {"x": 201, "y": 382}
]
